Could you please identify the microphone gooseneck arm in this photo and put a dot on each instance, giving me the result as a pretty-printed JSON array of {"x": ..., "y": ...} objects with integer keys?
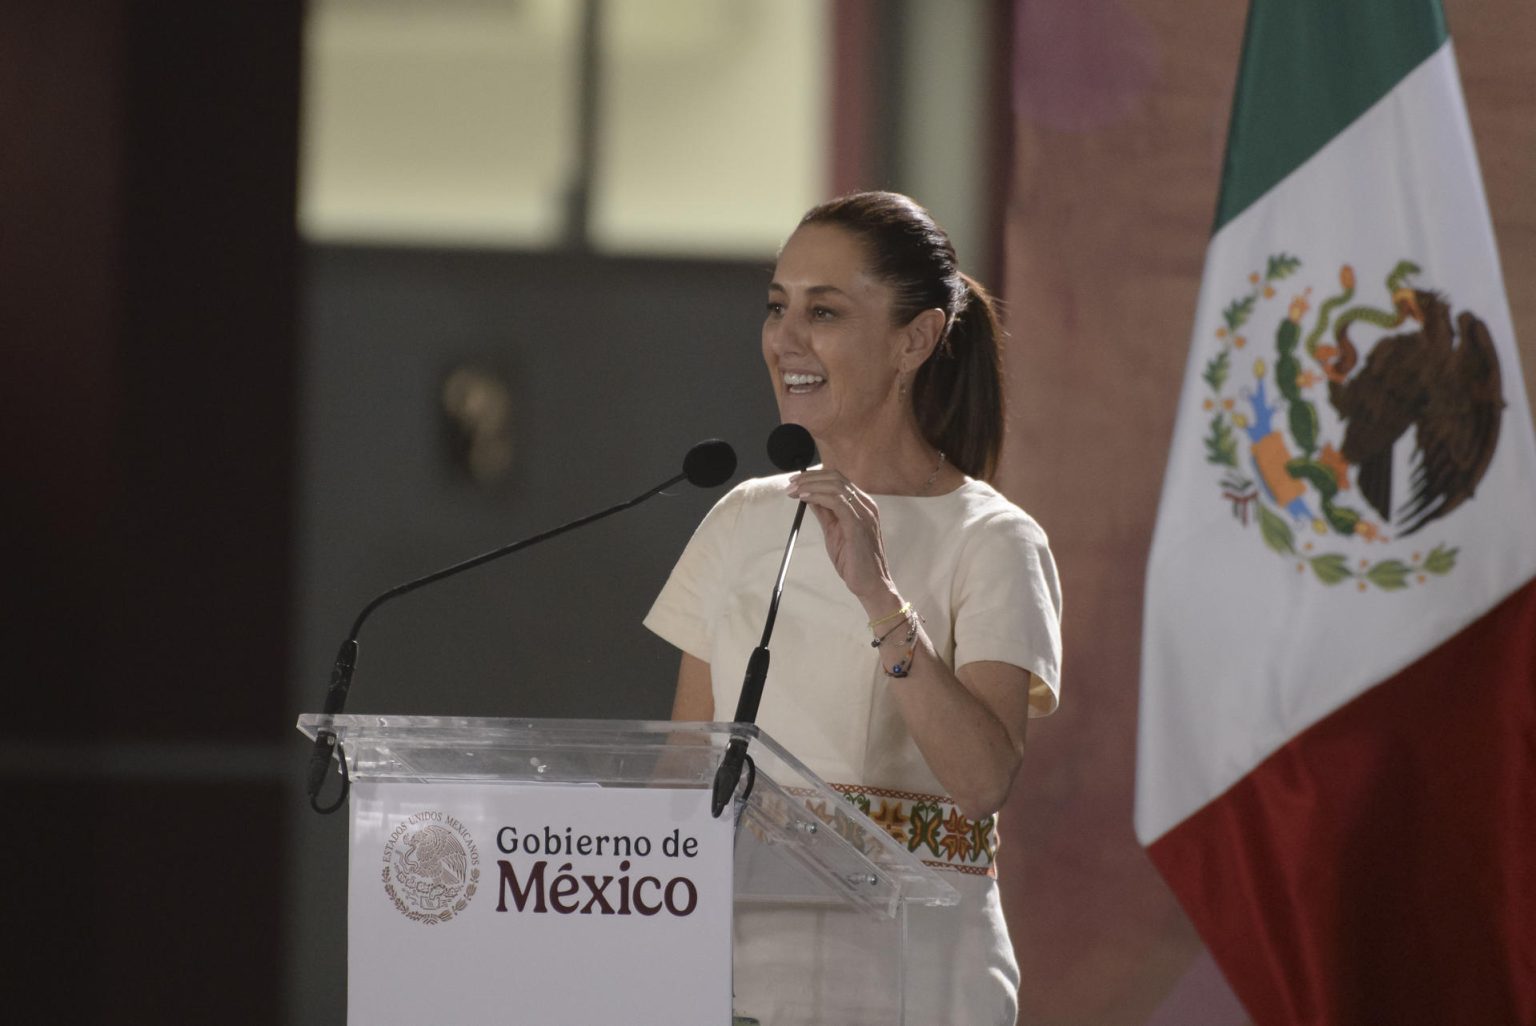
[
  {"x": 505, "y": 550},
  {"x": 326, "y": 741},
  {"x": 728, "y": 774},
  {"x": 752, "y": 688},
  {"x": 790, "y": 447}
]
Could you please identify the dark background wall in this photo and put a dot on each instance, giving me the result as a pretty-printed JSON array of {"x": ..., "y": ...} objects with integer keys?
[
  {"x": 615, "y": 367},
  {"x": 149, "y": 281}
]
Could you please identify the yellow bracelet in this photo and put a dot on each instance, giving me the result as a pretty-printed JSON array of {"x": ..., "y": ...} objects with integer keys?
[{"x": 906, "y": 607}]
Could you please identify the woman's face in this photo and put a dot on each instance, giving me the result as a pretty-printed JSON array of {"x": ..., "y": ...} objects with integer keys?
[{"x": 828, "y": 338}]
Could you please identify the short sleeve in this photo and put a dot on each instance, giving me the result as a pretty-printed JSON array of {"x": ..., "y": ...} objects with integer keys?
[
  {"x": 1008, "y": 604},
  {"x": 684, "y": 613}
]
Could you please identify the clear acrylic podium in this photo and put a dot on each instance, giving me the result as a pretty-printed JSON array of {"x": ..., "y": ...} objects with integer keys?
[{"x": 821, "y": 892}]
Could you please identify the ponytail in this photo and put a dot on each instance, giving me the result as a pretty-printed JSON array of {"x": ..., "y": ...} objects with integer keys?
[{"x": 957, "y": 394}]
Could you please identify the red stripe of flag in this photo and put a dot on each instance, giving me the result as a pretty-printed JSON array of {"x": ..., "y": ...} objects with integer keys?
[{"x": 1380, "y": 868}]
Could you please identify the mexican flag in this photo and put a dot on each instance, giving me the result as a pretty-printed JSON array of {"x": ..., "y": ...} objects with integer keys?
[{"x": 1337, "y": 753}]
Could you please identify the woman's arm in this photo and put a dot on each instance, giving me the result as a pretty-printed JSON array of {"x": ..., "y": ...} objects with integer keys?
[
  {"x": 694, "y": 699},
  {"x": 969, "y": 727}
]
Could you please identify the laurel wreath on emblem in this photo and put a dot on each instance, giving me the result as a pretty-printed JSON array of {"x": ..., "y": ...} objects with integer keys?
[
  {"x": 1437, "y": 377},
  {"x": 441, "y": 915}
]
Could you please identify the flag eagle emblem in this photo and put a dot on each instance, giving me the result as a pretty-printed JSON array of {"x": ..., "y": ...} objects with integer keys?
[{"x": 1314, "y": 440}]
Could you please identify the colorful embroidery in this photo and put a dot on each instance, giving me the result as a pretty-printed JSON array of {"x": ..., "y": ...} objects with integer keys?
[
  {"x": 892, "y": 816},
  {"x": 931, "y": 826},
  {"x": 928, "y": 825}
]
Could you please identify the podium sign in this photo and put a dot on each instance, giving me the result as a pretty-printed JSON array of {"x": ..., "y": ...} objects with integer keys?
[
  {"x": 570, "y": 905},
  {"x": 569, "y": 872}
]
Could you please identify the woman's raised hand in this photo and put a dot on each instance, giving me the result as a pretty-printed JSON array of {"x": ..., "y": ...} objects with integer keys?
[{"x": 850, "y": 523}]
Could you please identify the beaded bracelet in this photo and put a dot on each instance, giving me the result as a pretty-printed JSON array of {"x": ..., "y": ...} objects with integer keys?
[{"x": 903, "y": 666}]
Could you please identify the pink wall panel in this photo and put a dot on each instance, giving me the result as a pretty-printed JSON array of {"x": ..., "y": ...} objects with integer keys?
[{"x": 1120, "y": 119}]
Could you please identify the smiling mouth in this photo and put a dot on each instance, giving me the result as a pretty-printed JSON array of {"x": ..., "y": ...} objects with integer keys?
[{"x": 800, "y": 384}]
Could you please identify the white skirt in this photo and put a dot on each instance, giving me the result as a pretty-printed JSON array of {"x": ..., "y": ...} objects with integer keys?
[{"x": 797, "y": 967}]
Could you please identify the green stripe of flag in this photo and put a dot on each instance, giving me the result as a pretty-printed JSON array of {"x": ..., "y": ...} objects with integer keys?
[{"x": 1309, "y": 68}]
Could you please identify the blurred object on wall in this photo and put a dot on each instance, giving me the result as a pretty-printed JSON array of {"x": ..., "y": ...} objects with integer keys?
[{"x": 477, "y": 410}]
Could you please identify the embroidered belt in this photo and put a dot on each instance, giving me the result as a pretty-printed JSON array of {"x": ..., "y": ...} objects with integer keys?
[{"x": 930, "y": 826}]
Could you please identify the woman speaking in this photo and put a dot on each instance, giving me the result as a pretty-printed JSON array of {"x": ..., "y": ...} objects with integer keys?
[{"x": 910, "y": 654}]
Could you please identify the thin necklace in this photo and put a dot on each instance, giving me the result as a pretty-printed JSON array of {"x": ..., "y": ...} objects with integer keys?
[{"x": 933, "y": 476}]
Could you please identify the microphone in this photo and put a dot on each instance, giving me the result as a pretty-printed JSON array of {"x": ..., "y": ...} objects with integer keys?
[
  {"x": 790, "y": 447},
  {"x": 707, "y": 464}
]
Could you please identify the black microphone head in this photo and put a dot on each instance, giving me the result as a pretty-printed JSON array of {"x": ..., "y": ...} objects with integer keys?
[
  {"x": 790, "y": 447},
  {"x": 710, "y": 463}
]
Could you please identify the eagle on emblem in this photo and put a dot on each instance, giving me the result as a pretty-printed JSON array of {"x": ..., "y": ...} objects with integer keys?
[
  {"x": 434, "y": 854},
  {"x": 1441, "y": 378}
]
